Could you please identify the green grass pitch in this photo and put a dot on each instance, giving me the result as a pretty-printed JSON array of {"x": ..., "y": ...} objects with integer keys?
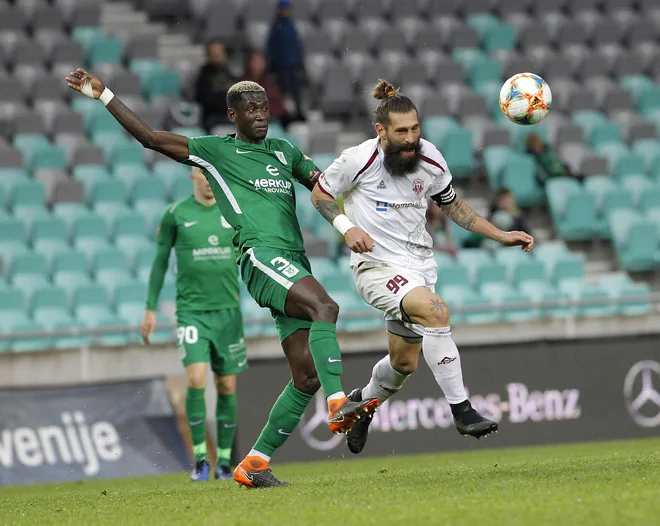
[{"x": 599, "y": 484}]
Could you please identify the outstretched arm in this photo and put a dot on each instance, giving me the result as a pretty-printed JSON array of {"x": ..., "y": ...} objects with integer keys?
[
  {"x": 356, "y": 238},
  {"x": 170, "y": 144},
  {"x": 464, "y": 216}
]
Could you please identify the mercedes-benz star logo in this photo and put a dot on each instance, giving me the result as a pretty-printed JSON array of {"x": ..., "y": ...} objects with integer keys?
[
  {"x": 319, "y": 419},
  {"x": 641, "y": 391}
]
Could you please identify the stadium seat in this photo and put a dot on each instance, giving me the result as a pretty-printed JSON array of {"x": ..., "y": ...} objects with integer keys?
[
  {"x": 591, "y": 301},
  {"x": 130, "y": 172},
  {"x": 12, "y": 308},
  {"x": 621, "y": 160},
  {"x": 455, "y": 274},
  {"x": 608, "y": 196},
  {"x": 556, "y": 302},
  {"x": 69, "y": 212},
  {"x": 28, "y": 272},
  {"x": 49, "y": 306},
  {"x": 111, "y": 269},
  {"x": 459, "y": 152},
  {"x": 13, "y": 234},
  {"x": 181, "y": 189},
  {"x": 90, "y": 304},
  {"x": 170, "y": 172},
  {"x": 507, "y": 302},
  {"x": 573, "y": 210},
  {"x": 28, "y": 196},
  {"x": 110, "y": 337},
  {"x": 148, "y": 189},
  {"x": 90, "y": 235},
  {"x": 528, "y": 270},
  {"x": 649, "y": 149},
  {"x": 129, "y": 302},
  {"x": 635, "y": 240},
  {"x": 28, "y": 343},
  {"x": 70, "y": 341},
  {"x": 631, "y": 298}
]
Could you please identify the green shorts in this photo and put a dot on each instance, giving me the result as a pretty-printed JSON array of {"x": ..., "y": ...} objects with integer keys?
[
  {"x": 214, "y": 337},
  {"x": 269, "y": 273}
]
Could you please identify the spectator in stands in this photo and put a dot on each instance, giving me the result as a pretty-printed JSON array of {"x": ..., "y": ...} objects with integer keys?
[
  {"x": 255, "y": 70},
  {"x": 547, "y": 158},
  {"x": 438, "y": 226},
  {"x": 285, "y": 55},
  {"x": 213, "y": 82},
  {"x": 505, "y": 214}
]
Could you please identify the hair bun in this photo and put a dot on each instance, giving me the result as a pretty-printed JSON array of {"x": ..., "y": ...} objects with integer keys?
[{"x": 383, "y": 90}]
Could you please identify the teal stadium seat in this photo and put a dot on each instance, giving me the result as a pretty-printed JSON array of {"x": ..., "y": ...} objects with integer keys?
[
  {"x": 189, "y": 131},
  {"x": 31, "y": 144},
  {"x": 152, "y": 212},
  {"x": 29, "y": 343},
  {"x": 13, "y": 240},
  {"x": 637, "y": 185},
  {"x": 635, "y": 240},
  {"x": 648, "y": 100},
  {"x": 483, "y": 23},
  {"x": 50, "y": 237},
  {"x": 130, "y": 153},
  {"x": 495, "y": 159},
  {"x": 129, "y": 303},
  {"x": 89, "y": 175},
  {"x": 484, "y": 69},
  {"x": 649, "y": 149},
  {"x": 145, "y": 68},
  {"x": 437, "y": 127},
  {"x": 70, "y": 341},
  {"x": 621, "y": 160},
  {"x": 163, "y": 83},
  {"x": 324, "y": 160},
  {"x": 502, "y": 37},
  {"x": 90, "y": 304},
  {"x": 529, "y": 270},
  {"x": 144, "y": 259},
  {"x": 130, "y": 172},
  {"x": 181, "y": 189},
  {"x": 608, "y": 196},
  {"x": 12, "y": 308},
  {"x": 70, "y": 212},
  {"x": 457, "y": 145},
  {"x": 573, "y": 209},
  {"x": 455, "y": 274},
  {"x": 583, "y": 292},
  {"x": 149, "y": 189},
  {"x": 28, "y": 272},
  {"x": 90, "y": 235},
  {"x": 50, "y": 306},
  {"x": 87, "y": 36},
  {"x": 322, "y": 268},
  {"x": 569, "y": 267},
  {"x": 98, "y": 123},
  {"x": 70, "y": 270},
  {"x": 631, "y": 298},
  {"x": 519, "y": 175},
  {"x": 110, "y": 191},
  {"x": 110, "y": 337},
  {"x": 170, "y": 172},
  {"x": 111, "y": 269},
  {"x": 556, "y": 302},
  {"x": 9, "y": 177},
  {"x": 27, "y": 197},
  {"x": 106, "y": 50},
  {"x": 508, "y": 302}
]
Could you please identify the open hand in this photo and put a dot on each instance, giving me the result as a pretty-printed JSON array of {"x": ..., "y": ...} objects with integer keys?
[
  {"x": 148, "y": 325},
  {"x": 515, "y": 238},
  {"x": 83, "y": 82}
]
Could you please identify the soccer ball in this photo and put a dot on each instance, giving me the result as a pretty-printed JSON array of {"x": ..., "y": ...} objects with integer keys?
[{"x": 525, "y": 98}]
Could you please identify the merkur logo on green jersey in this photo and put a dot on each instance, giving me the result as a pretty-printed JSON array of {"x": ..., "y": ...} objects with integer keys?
[{"x": 273, "y": 186}]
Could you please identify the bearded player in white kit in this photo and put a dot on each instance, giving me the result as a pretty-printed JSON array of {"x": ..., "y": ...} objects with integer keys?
[{"x": 386, "y": 183}]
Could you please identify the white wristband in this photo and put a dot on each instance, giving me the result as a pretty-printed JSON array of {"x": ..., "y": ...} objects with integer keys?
[
  {"x": 106, "y": 96},
  {"x": 343, "y": 224}
]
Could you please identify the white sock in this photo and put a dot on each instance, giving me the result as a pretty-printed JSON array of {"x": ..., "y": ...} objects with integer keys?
[
  {"x": 385, "y": 381},
  {"x": 442, "y": 356},
  {"x": 255, "y": 453}
]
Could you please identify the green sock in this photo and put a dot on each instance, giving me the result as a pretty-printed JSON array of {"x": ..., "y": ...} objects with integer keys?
[
  {"x": 225, "y": 414},
  {"x": 196, "y": 415},
  {"x": 282, "y": 420},
  {"x": 327, "y": 356}
]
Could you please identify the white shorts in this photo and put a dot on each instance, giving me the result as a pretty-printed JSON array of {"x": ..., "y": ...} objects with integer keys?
[{"x": 384, "y": 286}]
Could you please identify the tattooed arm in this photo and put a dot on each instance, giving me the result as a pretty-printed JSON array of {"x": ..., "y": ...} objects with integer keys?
[
  {"x": 464, "y": 216},
  {"x": 356, "y": 238}
]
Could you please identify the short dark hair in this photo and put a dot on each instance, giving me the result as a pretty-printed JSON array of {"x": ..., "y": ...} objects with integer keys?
[
  {"x": 236, "y": 91},
  {"x": 390, "y": 102}
]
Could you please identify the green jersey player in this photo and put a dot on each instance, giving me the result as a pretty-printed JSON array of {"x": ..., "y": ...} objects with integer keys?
[
  {"x": 209, "y": 322},
  {"x": 252, "y": 179}
]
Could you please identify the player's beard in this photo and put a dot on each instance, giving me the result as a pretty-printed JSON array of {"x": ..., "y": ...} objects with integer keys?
[{"x": 398, "y": 165}]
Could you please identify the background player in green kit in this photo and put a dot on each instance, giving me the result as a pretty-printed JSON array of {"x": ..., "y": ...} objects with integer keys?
[
  {"x": 252, "y": 179},
  {"x": 209, "y": 321}
]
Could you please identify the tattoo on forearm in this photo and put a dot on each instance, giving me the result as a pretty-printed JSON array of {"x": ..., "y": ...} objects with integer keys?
[
  {"x": 328, "y": 209},
  {"x": 437, "y": 305},
  {"x": 461, "y": 213}
]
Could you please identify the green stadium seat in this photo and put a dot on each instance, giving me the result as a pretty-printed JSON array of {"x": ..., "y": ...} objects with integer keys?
[
  {"x": 650, "y": 199},
  {"x": 162, "y": 334},
  {"x": 90, "y": 235},
  {"x": 112, "y": 338},
  {"x": 478, "y": 310},
  {"x": 90, "y": 304},
  {"x": 339, "y": 281},
  {"x": 519, "y": 175},
  {"x": 70, "y": 341},
  {"x": 152, "y": 211},
  {"x": 632, "y": 298},
  {"x": 50, "y": 306},
  {"x": 573, "y": 210},
  {"x": 621, "y": 160},
  {"x": 144, "y": 259},
  {"x": 648, "y": 100},
  {"x": 72, "y": 261},
  {"x": 71, "y": 281},
  {"x": 130, "y": 172},
  {"x": 653, "y": 215},
  {"x": 132, "y": 152},
  {"x": 171, "y": 172},
  {"x": 145, "y": 68},
  {"x": 89, "y": 175},
  {"x": 70, "y": 212},
  {"x": 12, "y": 307},
  {"x": 149, "y": 189},
  {"x": 111, "y": 209},
  {"x": 54, "y": 158},
  {"x": 50, "y": 237},
  {"x": 468, "y": 56},
  {"x": 87, "y": 36},
  {"x": 608, "y": 132},
  {"x": 567, "y": 268},
  {"x": 107, "y": 139},
  {"x": 28, "y": 272},
  {"x": 111, "y": 269},
  {"x": 103, "y": 123},
  {"x": 181, "y": 189},
  {"x": 528, "y": 270},
  {"x": 258, "y": 321},
  {"x": 495, "y": 159},
  {"x": 28, "y": 196},
  {"x": 482, "y": 23},
  {"x": 484, "y": 69},
  {"x": 459, "y": 152},
  {"x": 502, "y": 37},
  {"x": 324, "y": 160},
  {"x": 541, "y": 291},
  {"x": 581, "y": 291},
  {"x": 551, "y": 252},
  {"x": 305, "y": 212},
  {"x": 131, "y": 224},
  {"x": 608, "y": 196},
  {"x": 649, "y": 149},
  {"x": 453, "y": 275},
  {"x": 106, "y": 50},
  {"x": 510, "y": 256},
  {"x": 30, "y": 144},
  {"x": 491, "y": 92},
  {"x": 29, "y": 343},
  {"x": 323, "y": 267},
  {"x": 12, "y": 232},
  {"x": 436, "y": 128},
  {"x": 635, "y": 240},
  {"x": 107, "y": 191},
  {"x": 637, "y": 185},
  {"x": 9, "y": 177},
  {"x": 507, "y": 301},
  {"x": 87, "y": 107},
  {"x": 129, "y": 302},
  {"x": 163, "y": 82},
  {"x": 443, "y": 259}
]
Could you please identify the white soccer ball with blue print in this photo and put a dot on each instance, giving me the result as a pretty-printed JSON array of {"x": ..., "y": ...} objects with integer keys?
[{"x": 525, "y": 98}]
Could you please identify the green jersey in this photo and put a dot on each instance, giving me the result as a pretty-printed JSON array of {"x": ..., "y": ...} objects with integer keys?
[
  {"x": 253, "y": 186},
  {"x": 207, "y": 274}
]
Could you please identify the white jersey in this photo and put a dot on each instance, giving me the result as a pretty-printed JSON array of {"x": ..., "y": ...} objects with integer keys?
[{"x": 392, "y": 210}]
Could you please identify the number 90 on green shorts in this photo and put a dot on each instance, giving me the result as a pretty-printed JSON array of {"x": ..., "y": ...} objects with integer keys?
[{"x": 214, "y": 337}]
